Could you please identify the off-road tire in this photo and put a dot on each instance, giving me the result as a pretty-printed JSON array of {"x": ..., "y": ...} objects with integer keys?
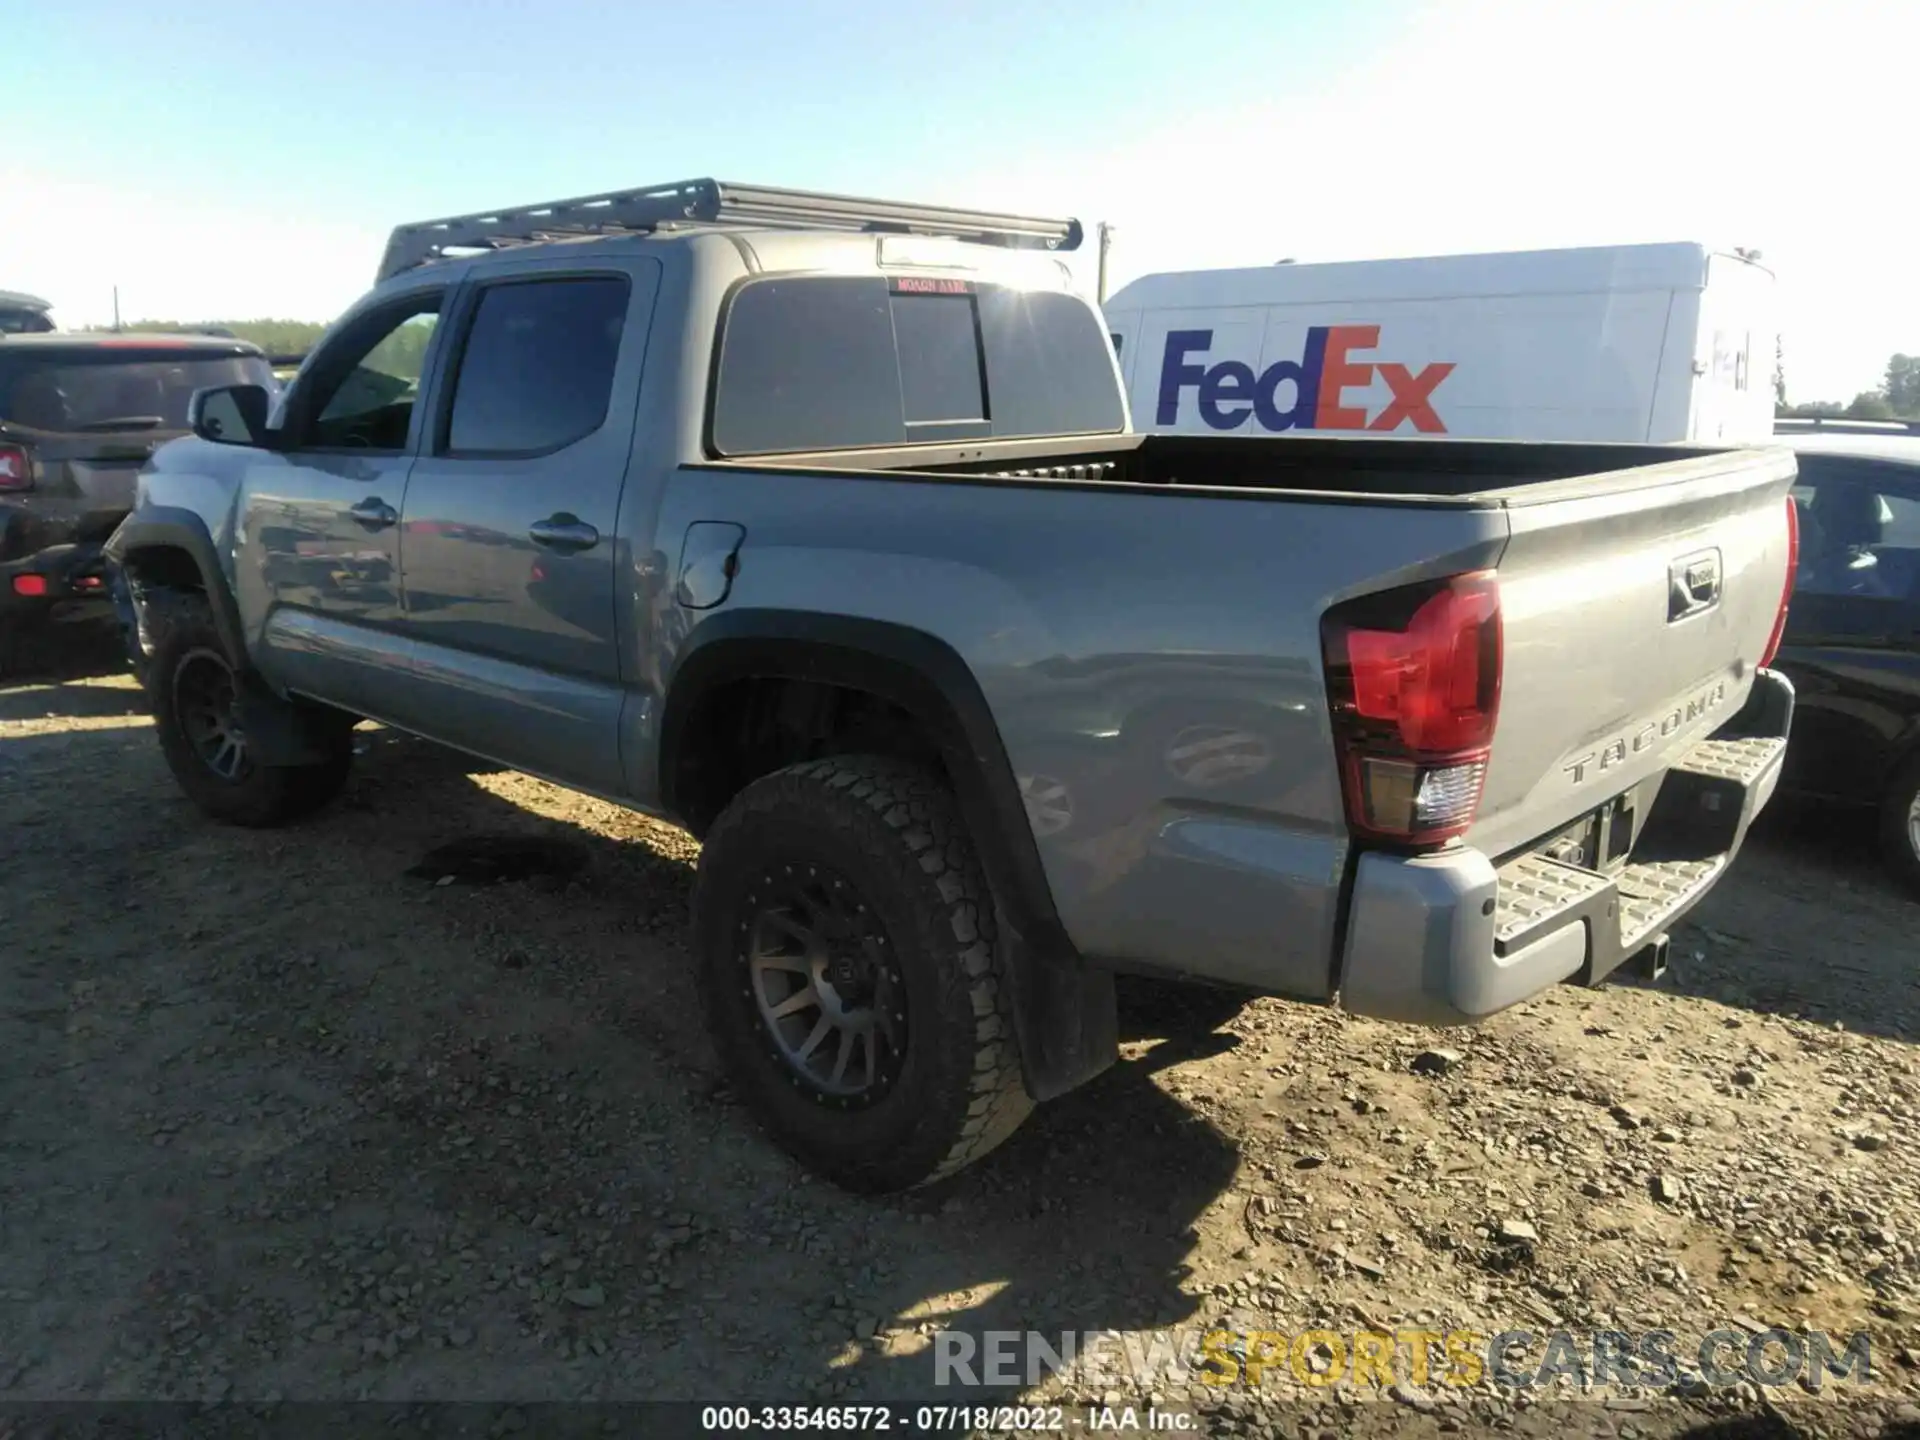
[
  {"x": 893, "y": 831},
  {"x": 180, "y": 626},
  {"x": 1896, "y": 839}
]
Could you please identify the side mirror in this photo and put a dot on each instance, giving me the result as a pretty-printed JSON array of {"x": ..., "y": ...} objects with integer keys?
[{"x": 230, "y": 414}]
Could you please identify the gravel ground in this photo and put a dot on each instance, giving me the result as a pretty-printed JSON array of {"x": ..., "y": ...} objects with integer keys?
[{"x": 285, "y": 1120}]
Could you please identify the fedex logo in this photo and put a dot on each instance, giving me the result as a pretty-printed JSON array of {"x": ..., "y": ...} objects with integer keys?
[{"x": 1230, "y": 391}]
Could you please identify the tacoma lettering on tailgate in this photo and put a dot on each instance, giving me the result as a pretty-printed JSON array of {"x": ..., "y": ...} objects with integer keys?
[{"x": 1638, "y": 742}]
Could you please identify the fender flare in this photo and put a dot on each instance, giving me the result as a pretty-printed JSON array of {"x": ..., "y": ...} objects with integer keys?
[
  {"x": 168, "y": 527},
  {"x": 1064, "y": 1007}
]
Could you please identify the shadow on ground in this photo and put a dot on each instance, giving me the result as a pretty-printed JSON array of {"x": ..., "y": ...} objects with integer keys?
[{"x": 1760, "y": 940}]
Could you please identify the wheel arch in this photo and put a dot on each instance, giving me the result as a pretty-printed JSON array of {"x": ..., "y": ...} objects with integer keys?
[
  {"x": 168, "y": 545},
  {"x": 1064, "y": 1007}
]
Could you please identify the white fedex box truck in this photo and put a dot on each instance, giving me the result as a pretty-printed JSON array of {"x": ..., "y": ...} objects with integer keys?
[{"x": 1630, "y": 342}]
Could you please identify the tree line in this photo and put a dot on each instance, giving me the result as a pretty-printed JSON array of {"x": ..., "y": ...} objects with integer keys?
[
  {"x": 276, "y": 337},
  {"x": 1897, "y": 397}
]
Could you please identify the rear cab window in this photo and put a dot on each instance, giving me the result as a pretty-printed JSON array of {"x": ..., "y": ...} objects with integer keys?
[
  {"x": 854, "y": 362},
  {"x": 112, "y": 386}
]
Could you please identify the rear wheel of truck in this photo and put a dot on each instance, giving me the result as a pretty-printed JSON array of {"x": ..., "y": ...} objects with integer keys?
[
  {"x": 195, "y": 691},
  {"x": 851, "y": 973},
  {"x": 1900, "y": 826}
]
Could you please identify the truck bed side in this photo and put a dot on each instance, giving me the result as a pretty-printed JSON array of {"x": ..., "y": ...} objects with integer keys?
[{"x": 1151, "y": 652}]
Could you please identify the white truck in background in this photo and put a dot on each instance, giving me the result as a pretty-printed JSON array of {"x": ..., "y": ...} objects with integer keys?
[{"x": 1644, "y": 343}]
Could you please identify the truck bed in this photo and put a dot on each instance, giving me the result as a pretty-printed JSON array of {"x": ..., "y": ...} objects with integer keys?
[{"x": 1470, "y": 472}]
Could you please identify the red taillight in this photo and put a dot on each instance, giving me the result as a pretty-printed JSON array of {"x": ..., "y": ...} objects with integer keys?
[
  {"x": 16, "y": 470},
  {"x": 1413, "y": 678},
  {"x": 1786, "y": 590},
  {"x": 29, "y": 584}
]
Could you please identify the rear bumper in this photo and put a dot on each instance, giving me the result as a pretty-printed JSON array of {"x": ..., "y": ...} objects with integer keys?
[
  {"x": 1448, "y": 939},
  {"x": 62, "y": 582}
]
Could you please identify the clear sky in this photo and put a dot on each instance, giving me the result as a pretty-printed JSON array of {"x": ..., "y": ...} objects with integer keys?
[{"x": 235, "y": 160}]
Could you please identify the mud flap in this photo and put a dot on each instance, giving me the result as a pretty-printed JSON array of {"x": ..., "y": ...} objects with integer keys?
[
  {"x": 284, "y": 734},
  {"x": 1066, "y": 1013}
]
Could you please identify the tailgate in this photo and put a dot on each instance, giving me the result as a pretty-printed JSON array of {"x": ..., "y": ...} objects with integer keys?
[
  {"x": 88, "y": 480},
  {"x": 105, "y": 482},
  {"x": 1636, "y": 608}
]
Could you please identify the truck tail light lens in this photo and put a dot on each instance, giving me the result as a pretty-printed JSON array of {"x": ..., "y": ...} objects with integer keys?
[
  {"x": 1786, "y": 590},
  {"x": 1413, "y": 681},
  {"x": 16, "y": 469}
]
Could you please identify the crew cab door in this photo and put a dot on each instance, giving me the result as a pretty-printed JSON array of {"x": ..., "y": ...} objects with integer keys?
[
  {"x": 509, "y": 545},
  {"x": 320, "y": 521}
]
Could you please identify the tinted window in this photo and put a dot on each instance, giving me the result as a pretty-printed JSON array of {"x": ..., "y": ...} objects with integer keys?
[
  {"x": 537, "y": 370},
  {"x": 830, "y": 362},
  {"x": 805, "y": 364},
  {"x": 1859, "y": 530},
  {"x": 114, "y": 388},
  {"x": 23, "y": 320},
  {"x": 1050, "y": 367},
  {"x": 938, "y": 340}
]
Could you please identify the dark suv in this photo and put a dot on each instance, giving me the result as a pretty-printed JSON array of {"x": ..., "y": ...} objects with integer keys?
[
  {"x": 1852, "y": 643},
  {"x": 79, "y": 414},
  {"x": 24, "y": 314}
]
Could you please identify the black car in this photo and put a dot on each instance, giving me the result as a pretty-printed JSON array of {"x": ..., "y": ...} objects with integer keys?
[
  {"x": 1852, "y": 644},
  {"x": 79, "y": 415}
]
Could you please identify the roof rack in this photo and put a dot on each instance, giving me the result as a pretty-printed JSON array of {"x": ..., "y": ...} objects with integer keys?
[
  {"x": 712, "y": 202},
  {"x": 1847, "y": 424}
]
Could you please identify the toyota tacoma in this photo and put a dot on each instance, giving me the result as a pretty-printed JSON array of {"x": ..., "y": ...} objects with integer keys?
[{"x": 817, "y": 526}]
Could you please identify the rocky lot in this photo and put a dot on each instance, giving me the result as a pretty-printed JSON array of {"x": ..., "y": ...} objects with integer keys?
[{"x": 295, "y": 1116}]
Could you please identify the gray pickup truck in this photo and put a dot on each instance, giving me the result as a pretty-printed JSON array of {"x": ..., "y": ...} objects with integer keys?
[{"x": 816, "y": 525}]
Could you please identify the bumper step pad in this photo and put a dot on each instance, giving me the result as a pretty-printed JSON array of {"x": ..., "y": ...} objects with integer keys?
[{"x": 1702, "y": 813}]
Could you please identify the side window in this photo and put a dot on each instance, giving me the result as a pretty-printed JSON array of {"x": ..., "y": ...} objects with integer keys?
[
  {"x": 536, "y": 371},
  {"x": 1859, "y": 533},
  {"x": 364, "y": 387},
  {"x": 1901, "y": 530}
]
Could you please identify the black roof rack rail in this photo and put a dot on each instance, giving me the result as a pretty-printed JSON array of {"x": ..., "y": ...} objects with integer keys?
[
  {"x": 1847, "y": 423},
  {"x": 712, "y": 202}
]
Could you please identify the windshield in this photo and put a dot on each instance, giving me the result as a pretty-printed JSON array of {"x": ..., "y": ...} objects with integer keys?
[
  {"x": 844, "y": 362},
  {"x": 109, "y": 389}
]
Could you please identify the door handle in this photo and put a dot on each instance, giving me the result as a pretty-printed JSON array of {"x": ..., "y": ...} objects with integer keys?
[
  {"x": 374, "y": 513},
  {"x": 563, "y": 532}
]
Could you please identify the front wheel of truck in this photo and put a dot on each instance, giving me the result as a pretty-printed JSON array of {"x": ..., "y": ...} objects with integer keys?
[
  {"x": 195, "y": 693},
  {"x": 852, "y": 976}
]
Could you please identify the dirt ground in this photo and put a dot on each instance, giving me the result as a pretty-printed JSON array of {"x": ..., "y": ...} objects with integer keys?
[{"x": 279, "y": 1119}]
